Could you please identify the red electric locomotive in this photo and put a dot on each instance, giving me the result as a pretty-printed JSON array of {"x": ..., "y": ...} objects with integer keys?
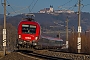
[{"x": 28, "y": 33}]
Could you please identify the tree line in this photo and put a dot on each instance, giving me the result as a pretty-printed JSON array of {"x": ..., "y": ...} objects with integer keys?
[
  {"x": 11, "y": 36},
  {"x": 85, "y": 42}
]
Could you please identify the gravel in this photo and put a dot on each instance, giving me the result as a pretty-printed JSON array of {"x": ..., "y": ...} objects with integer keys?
[{"x": 17, "y": 56}]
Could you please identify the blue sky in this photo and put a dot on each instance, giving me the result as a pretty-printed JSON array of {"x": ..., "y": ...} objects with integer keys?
[{"x": 21, "y": 6}]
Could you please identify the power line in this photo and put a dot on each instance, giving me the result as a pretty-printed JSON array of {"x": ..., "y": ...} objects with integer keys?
[
  {"x": 2, "y": 3},
  {"x": 30, "y": 5},
  {"x": 66, "y": 3},
  {"x": 86, "y": 5},
  {"x": 14, "y": 12},
  {"x": 10, "y": 6},
  {"x": 34, "y": 5},
  {"x": 72, "y": 7},
  {"x": 75, "y": 5},
  {"x": 18, "y": 10}
]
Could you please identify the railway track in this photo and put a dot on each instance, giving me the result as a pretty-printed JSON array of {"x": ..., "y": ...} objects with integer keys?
[
  {"x": 48, "y": 54},
  {"x": 39, "y": 56}
]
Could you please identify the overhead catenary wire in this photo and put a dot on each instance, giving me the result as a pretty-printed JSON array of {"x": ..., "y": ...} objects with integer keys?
[
  {"x": 33, "y": 6},
  {"x": 11, "y": 6},
  {"x": 66, "y": 3},
  {"x": 30, "y": 5},
  {"x": 71, "y": 7},
  {"x": 75, "y": 5},
  {"x": 18, "y": 11},
  {"x": 15, "y": 12},
  {"x": 3, "y": 6}
]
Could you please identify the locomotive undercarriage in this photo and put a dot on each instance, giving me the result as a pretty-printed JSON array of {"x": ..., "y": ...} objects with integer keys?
[
  {"x": 25, "y": 44},
  {"x": 36, "y": 45}
]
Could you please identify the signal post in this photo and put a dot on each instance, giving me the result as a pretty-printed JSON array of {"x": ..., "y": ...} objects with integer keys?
[
  {"x": 4, "y": 29},
  {"x": 79, "y": 28}
]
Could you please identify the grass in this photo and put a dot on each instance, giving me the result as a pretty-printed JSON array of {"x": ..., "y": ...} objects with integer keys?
[{"x": 2, "y": 53}]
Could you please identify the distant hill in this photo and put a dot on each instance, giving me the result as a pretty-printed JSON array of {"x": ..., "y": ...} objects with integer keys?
[{"x": 47, "y": 20}]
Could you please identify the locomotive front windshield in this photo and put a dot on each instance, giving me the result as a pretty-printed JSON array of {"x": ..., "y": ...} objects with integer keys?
[{"x": 29, "y": 29}]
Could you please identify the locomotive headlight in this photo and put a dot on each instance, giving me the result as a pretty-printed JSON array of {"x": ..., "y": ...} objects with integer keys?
[
  {"x": 36, "y": 38},
  {"x": 19, "y": 36}
]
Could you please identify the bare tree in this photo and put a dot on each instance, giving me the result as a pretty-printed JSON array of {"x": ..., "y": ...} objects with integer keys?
[
  {"x": 11, "y": 36},
  {"x": 1, "y": 35}
]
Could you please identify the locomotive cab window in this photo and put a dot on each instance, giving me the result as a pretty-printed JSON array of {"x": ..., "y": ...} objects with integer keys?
[{"x": 30, "y": 29}]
